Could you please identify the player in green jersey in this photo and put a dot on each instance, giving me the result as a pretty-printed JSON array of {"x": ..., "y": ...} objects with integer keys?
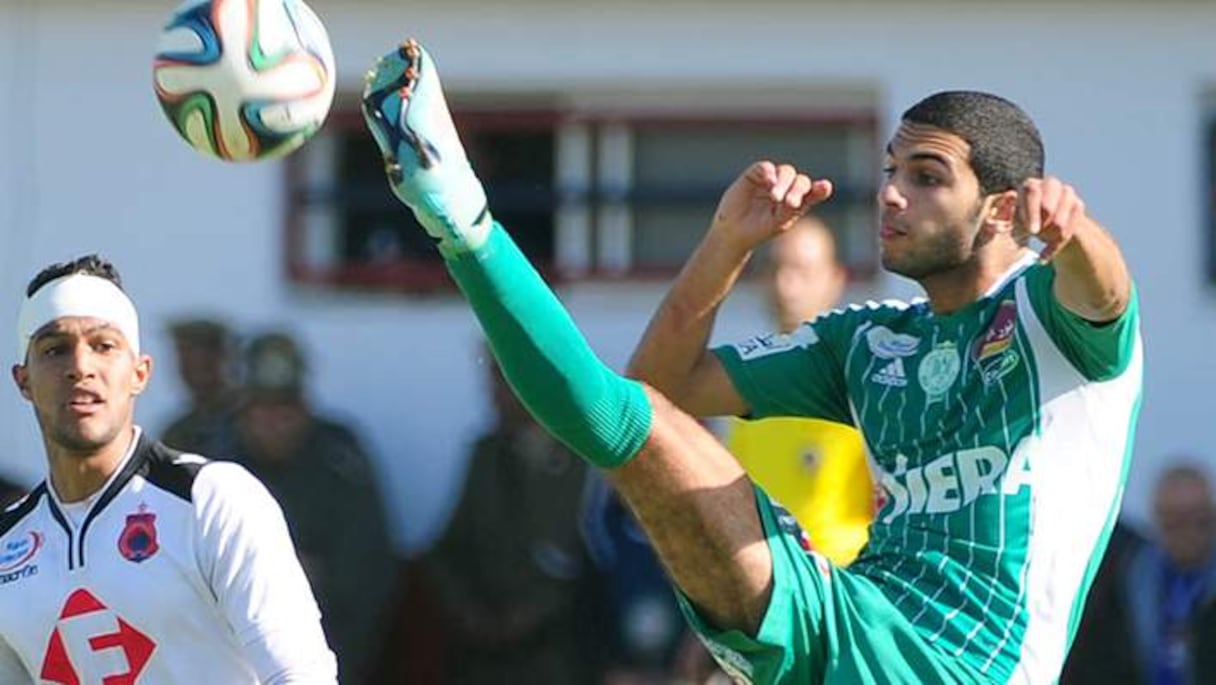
[{"x": 997, "y": 413}]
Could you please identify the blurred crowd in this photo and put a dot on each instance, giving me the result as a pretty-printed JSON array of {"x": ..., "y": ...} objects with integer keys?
[
  {"x": 541, "y": 575},
  {"x": 1151, "y": 613}
]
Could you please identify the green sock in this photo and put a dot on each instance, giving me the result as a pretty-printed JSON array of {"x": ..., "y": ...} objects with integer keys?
[{"x": 602, "y": 416}]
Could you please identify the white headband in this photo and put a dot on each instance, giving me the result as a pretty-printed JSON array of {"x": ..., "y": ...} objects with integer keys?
[{"x": 77, "y": 295}]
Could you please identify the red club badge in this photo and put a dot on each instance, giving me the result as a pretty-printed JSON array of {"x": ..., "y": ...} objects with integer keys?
[{"x": 137, "y": 542}]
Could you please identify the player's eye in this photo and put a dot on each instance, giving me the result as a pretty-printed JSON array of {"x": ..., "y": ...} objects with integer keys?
[
  {"x": 54, "y": 350},
  {"x": 105, "y": 346}
]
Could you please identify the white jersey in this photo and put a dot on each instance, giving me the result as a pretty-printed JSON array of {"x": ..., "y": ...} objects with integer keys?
[{"x": 180, "y": 570}]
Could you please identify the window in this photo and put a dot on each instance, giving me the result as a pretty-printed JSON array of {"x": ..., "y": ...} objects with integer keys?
[{"x": 589, "y": 190}]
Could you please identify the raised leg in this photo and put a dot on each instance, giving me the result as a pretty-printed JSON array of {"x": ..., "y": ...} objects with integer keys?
[{"x": 691, "y": 497}]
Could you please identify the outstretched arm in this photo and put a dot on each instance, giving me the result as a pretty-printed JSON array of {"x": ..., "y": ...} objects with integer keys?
[
  {"x": 1092, "y": 279},
  {"x": 672, "y": 356}
]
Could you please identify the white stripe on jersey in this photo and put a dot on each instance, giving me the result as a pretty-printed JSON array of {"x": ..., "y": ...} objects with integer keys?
[{"x": 1073, "y": 487}]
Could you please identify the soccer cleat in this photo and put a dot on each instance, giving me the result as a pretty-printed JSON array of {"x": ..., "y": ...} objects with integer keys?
[{"x": 427, "y": 168}]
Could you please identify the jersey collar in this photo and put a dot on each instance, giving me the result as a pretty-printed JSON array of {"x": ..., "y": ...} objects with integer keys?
[
  {"x": 1023, "y": 262},
  {"x": 118, "y": 472}
]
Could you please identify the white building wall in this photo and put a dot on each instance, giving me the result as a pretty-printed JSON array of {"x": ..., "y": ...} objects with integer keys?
[{"x": 87, "y": 163}]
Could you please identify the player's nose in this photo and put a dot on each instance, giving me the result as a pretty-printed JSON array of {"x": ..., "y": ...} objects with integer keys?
[
  {"x": 889, "y": 196},
  {"x": 80, "y": 362}
]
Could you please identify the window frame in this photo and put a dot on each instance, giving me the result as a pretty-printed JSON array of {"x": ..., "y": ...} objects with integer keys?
[{"x": 572, "y": 261}]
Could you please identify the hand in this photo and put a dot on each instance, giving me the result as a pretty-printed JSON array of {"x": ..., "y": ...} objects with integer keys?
[
  {"x": 766, "y": 200},
  {"x": 1051, "y": 211}
]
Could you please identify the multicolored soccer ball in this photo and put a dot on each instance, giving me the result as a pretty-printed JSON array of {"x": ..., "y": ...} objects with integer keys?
[{"x": 245, "y": 80}]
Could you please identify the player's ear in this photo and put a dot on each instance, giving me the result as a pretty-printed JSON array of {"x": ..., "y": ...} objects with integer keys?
[
  {"x": 141, "y": 373},
  {"x": 22, "y": 378},
  {"x": 1000, "y": 214}
]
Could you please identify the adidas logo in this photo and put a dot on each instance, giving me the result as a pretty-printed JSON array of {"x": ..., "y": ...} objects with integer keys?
[{"x": 891, "y": 375}]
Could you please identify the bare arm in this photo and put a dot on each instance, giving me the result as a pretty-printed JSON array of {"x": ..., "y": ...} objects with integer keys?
[
  {"x": 672, "y": 356},
  {"x": 1092, "y": 279}
]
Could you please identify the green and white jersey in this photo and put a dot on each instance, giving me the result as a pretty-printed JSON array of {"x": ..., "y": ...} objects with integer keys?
[{"x": 1001, "y": 437}]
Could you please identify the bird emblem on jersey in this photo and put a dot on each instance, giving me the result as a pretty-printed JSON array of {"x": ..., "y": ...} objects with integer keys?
[
  {"x": 137, "y": 542},
  {"x": 887, "y": 344}
]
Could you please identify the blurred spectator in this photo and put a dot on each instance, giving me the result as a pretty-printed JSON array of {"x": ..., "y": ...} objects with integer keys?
[
  {"x": 319, "y": 472},
  {"x": 414, "y": 648},
  {"x": 509, "y": 570},
  {"x": 816, "y": 469},
  {"x": 205, "y": 364},
  {"x": 643, "y": 628},
  {"x": 1204, "y": 638},
  {"x": 1172, "y": 578},
  {"x": 1102, "y": 651}
]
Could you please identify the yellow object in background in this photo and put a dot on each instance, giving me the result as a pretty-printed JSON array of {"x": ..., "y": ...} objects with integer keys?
[{"x": 815, "y": 469}]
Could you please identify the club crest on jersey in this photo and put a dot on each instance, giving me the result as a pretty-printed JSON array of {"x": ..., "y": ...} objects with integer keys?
[
  {"x": 16, "y": 555},
  {"x": 938, "y": 370},
  {"x": 137, "y": 542},
  {"x": 993, "y": 353}
]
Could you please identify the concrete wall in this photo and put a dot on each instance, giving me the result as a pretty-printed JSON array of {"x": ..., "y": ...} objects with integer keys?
[{"x": 87, "y": 163}]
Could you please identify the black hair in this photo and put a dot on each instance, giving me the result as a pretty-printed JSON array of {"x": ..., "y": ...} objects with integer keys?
[
  {"x": 1006, "y": 148},
  {"x": 92, "y": 265}
]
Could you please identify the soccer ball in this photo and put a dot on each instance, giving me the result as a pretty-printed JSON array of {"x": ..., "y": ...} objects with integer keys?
[{"x": 244, "y": 80}]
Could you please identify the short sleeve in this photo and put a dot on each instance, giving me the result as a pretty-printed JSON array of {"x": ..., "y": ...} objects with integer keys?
[
  {"x": 795, "y": 374},
  {"x": 246, "y": 554},
  {"x": 1100, "y": 351}
]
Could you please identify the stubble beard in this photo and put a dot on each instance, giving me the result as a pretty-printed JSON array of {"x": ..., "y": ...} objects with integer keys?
[{"x": 946, "y": 251}]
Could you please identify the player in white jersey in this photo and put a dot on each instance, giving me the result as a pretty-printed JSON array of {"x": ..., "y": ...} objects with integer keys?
[
  {"x": 998, "y": 414},
  {"x": 132, "y": 562}
]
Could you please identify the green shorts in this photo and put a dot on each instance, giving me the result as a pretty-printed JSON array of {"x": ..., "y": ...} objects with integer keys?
[{"x": 824, "y": 624}]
